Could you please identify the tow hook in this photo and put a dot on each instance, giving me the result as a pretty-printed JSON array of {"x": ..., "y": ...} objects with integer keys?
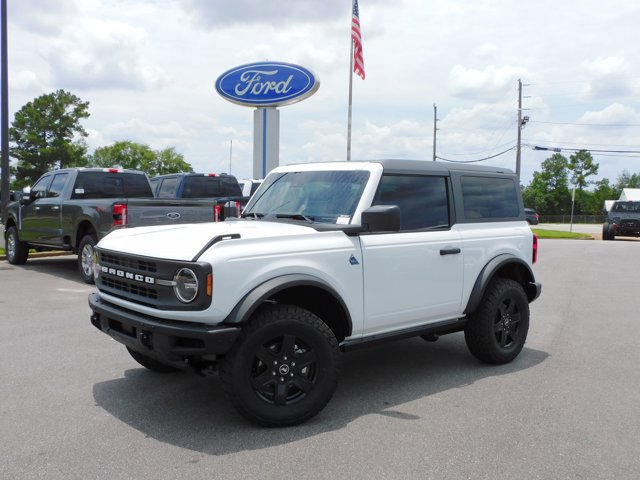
[{"x": 145, "y": 339}]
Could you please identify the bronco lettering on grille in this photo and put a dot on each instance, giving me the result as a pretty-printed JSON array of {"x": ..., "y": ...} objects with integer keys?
[{"x": 127, "y": 275}]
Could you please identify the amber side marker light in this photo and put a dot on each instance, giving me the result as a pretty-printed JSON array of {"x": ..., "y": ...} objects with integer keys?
[{"x": 209, "y": 285}]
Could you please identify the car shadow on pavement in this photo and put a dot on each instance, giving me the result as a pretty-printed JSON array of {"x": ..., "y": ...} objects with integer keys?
[
  {"x": 61, "y": 266},
  {"x": 192, "y": 412}
]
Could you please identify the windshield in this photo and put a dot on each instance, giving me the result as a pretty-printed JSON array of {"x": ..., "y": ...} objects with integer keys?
[
  {"x": 320, "y": 196},
  {"x": 628, "y": 207}
]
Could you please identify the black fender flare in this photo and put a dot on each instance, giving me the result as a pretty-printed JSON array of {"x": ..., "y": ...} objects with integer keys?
[
  {"x": 489, "y": 271},
  {"x": 252, "y": 300}
]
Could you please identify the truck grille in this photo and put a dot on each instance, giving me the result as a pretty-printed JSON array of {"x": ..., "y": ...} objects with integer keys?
[
  {"x": 148, "y": 281},
  {"x": 130, "y": 289},
  {"x": 128, "y": 262}
]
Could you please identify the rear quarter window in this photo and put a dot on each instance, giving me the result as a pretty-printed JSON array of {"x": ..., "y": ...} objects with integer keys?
[
  {"x": 111, "y": 185},
  {"x": 489, "y": 198}
]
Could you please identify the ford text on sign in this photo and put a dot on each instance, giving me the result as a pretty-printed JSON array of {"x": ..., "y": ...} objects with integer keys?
[{"x": 267, "y": 84}]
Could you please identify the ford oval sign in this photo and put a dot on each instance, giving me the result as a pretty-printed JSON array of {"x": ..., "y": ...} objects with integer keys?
[{"x": 267, "y": 84}]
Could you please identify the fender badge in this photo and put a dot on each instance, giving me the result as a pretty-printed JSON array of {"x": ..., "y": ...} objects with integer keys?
[{"x": 353, "y": 260}]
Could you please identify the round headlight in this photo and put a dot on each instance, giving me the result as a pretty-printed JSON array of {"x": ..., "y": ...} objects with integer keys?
[{"x": 185, "y": 285}]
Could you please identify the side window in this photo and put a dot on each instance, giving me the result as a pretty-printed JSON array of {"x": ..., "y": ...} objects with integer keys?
[
  {"x": 168, "y": 187},
  {"x": 57, "y": 185},
  {"x": 423, "y": 200},
  {"x": 489, "y": 197},
  {"x": 39, "y": 189}
]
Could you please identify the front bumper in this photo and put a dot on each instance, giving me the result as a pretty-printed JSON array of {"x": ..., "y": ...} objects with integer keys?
[{"x": 167, "y": 341}]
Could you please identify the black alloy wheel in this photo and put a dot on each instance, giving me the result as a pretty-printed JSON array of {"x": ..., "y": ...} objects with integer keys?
[
  {"x": 497, "y": 330},
  {"x": 284, "y": 368}
]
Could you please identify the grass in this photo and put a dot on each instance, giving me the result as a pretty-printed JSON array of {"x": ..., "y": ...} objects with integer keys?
[{"x": 543, "y": 233}]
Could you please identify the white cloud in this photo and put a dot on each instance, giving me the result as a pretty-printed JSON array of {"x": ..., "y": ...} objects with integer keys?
[{"x": 490, "y": 83}]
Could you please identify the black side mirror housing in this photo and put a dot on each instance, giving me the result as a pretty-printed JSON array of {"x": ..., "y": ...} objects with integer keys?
[{"x": 381, "y": 218}]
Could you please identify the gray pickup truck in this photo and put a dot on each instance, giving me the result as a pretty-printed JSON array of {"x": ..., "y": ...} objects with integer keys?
[
  {"x": 72, "y": 209},
  {"x": 220, "y": 190},
  {"x": 623, "y": 219}
]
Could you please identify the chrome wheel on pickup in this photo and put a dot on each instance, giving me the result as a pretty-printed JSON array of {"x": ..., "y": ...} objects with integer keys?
[
  {"x": 284, "y": 368},
  {"x": 85, "y": 258},
  {"x": 17, "y": 251}
]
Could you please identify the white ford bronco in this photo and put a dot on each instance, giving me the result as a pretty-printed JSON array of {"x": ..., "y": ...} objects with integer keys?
[{"x": 326, "y": 258}]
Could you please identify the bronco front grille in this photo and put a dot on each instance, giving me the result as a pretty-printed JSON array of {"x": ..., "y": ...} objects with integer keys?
[
  {"x": 130, "y": 288},
  {"x": 128, "y": 262},
  {"x": 147, "y": 281}
]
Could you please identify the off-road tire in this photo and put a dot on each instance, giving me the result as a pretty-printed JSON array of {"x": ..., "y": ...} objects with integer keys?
[
  {"x": 283, "y": 368},
  {"x": 151, "y": 363},
  {"x": 85, "y": 258},
  {"x": 497, "y": 330},
  {"x": 17, "y": 251}
]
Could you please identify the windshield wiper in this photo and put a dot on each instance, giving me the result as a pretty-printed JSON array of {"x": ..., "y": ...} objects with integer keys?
[
  {"x": 295, "y": 216},
  {"x": 255, "y": 216}
]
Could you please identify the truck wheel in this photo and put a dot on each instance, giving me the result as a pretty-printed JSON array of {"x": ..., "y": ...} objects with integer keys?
[
  {"x": 17, "y": 251},
  {"x": 85, "y": 258},
  {"x": 283, "y": 369},
  {"x": 151, "y": 363},
  {"x": 497, "y": 330},
  {"x": 607, "y": 233}
]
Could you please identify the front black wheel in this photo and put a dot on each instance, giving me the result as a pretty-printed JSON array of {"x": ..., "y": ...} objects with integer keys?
[
  {"x": 17, "y": 251},
  {"x": 85, "y": 258},
  {"x": 151, "y": 363},
  {"x": 284, "y": 368},
  {"x": 497, "y": 330}
]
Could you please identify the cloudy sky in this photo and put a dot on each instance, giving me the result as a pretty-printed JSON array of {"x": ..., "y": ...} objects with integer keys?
[{"x": 148, "y": 69}]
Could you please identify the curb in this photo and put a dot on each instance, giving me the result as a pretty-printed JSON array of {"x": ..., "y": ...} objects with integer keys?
[{"x": 42, "y": 255}]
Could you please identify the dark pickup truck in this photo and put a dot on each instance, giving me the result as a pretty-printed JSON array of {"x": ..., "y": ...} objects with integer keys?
[
  {"x": 622, "y": 219},
  {"x": 72, "y": 209},
  {"x": 222, "y": 190}
]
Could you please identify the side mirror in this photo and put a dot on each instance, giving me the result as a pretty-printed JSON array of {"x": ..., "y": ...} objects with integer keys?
[
  {"x": 381, "y": 218},
  {"x": 25, "y": 196}
]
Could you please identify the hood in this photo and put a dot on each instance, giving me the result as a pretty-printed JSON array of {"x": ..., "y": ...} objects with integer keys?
[{"x": 184, "y": 242}]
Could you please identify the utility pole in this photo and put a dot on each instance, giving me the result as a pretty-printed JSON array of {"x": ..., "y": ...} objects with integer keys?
[
  {"x": 435, "y": 129},
  {"x": 522, "y": 121},
  {"x": 4, "y": 94},
  {"x": 519, "y": 145}
]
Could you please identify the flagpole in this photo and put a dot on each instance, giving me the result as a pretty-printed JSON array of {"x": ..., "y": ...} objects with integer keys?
[{"x": 350, "y": 88}]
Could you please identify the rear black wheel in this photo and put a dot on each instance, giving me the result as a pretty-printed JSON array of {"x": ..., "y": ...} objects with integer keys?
[
  {"x": 284, "y": 368},
  {"x": 497, "y": 330},
  {"x": 17, "y": 251}
]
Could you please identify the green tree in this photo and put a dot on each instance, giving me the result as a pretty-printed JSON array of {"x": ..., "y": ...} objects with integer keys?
[
  {"x": 548, "y": 191},
  {"x": 168, "y": 161},
  {"x": 138, "y": 156},
  {"x": 594, "y": 201},
  {"x": 125, "y": 154},
  {"x": 582, "y": 167},
  {"x": 627, "y": 180},
  {"x": 46, "y": 134}
]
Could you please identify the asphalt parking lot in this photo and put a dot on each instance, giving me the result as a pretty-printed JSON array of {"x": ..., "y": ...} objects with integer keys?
[{"x": 74, "y": 405}]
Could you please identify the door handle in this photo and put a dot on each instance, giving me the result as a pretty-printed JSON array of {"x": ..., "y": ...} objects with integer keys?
[{"x": 450, "y": 251}]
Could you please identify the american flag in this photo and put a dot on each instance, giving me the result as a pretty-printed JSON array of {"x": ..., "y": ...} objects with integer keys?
[{"x": 358, "y": 60}]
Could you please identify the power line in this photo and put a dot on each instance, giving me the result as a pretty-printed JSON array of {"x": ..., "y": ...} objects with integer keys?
[
  {"x": 477, "y": 160},
  {"x": 591, "y": 124},
  {"x": 565, "y": 149}
]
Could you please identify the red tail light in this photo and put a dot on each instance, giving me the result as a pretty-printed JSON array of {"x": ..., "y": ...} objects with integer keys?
[
  {"x": 238, "y": 209},
  {"x": 217, "y": 212},
  {"x": 535, "y": 248},
  {"x": 119, "y": 212}
]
